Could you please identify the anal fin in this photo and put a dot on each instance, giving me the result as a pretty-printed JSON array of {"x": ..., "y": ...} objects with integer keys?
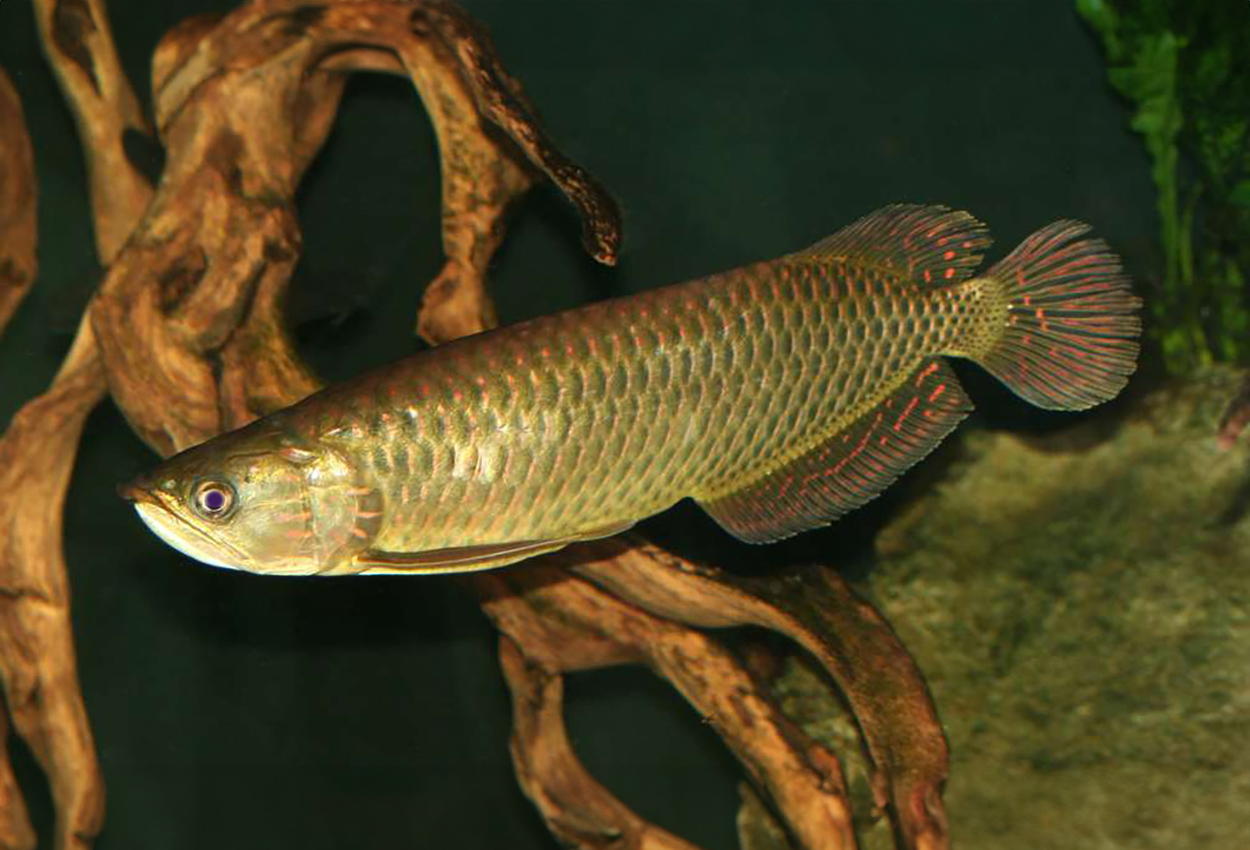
[
  {"x": 468, "y": 559},
  {"x": 852, "y": 466}
]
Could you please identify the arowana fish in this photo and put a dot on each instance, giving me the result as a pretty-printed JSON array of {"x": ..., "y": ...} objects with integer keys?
[{"x": 779, "y": 396}]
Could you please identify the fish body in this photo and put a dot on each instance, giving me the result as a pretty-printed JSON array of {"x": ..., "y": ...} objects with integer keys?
[{"x": 778, "y": 395}]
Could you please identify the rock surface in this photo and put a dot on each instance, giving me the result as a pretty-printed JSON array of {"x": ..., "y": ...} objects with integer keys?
[{"x": 1080, "y": 606}]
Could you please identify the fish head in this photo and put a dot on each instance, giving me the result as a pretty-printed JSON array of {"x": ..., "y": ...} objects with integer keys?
[{"x": 258, "y": 501}]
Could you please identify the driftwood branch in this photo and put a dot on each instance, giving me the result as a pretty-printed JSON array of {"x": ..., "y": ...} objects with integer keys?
[
  {"x": 818, "y": 611},
  {"x": 578, "y": 810},
  {"x": 557, "y": 623},
  {"x": 37, "y": 452},
  {"x": 78, "y": 42},
  {"x": 187, "y": 335},
  {"x": 17, "y": 203},
  {"x": 36, "y": 643}
]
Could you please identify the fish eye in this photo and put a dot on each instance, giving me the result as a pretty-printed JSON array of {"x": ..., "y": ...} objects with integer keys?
[{"x": 213, "y": 499}]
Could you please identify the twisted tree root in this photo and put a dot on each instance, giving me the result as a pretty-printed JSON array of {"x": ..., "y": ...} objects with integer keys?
[
  {"x": 37, "y": 451},
  {"x": 17, "y": 203},
  {"x": 558, "y": 623},
  {"x": 883, "y": 688}
]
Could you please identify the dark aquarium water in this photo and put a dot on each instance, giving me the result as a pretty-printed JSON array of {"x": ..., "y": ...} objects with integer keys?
[{"x": 1073, "y": 586}]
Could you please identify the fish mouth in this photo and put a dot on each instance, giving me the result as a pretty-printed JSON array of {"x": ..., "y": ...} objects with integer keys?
[
  {"x": 134, "y": 491},
  {"x": 167, "y": 524}
]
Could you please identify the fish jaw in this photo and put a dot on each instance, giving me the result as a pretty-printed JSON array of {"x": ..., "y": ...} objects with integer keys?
[
  {"x": 179, "y": 534},
  {"x": 137, "y": 490}
]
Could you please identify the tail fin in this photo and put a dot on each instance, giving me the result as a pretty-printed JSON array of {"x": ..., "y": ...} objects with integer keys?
[{"x": 1070, "y": 341}]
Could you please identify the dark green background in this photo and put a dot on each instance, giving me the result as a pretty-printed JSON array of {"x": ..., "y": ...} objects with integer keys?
[{"x": 245, "y": 712}]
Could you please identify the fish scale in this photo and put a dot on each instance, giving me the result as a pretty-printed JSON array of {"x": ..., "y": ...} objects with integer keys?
[{"x": 779, "y": 396}]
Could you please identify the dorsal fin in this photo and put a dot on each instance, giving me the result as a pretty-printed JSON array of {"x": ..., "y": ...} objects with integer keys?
[
  {"x": 927, "y": 244},
  {"x": 852, "y": 465}
]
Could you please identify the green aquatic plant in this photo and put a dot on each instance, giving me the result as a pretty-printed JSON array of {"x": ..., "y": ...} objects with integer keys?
[{"x": 1185, "y": 67}]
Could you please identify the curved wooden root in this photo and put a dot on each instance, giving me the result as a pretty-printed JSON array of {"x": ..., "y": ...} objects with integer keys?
[
  {"x": 560, "y": 623},
  {"x": 37, "y": 451},
  {"x": 78, "y": 42},
  {"x": 816, "y": 609},
  {"x": 36, "y": 644},
  {"x": 243, "y": 104},
  {"x": 16, "y": 831},
  {"x": 17, "y": 203},
  {"x": 578, "y": 810}
]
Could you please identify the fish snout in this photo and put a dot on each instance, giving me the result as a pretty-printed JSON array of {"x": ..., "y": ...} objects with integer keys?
[{"x": 136, "y": 489}]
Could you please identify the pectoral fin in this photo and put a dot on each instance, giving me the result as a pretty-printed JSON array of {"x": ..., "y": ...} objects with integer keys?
[{"x": 467, "y": 559}]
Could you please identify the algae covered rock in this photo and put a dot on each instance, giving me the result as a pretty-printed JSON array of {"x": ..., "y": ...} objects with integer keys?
[{"x": 1080, "y": 606}]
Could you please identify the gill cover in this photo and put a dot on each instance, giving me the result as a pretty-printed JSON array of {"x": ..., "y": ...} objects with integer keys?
[{"x": 342, "y": 513}]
